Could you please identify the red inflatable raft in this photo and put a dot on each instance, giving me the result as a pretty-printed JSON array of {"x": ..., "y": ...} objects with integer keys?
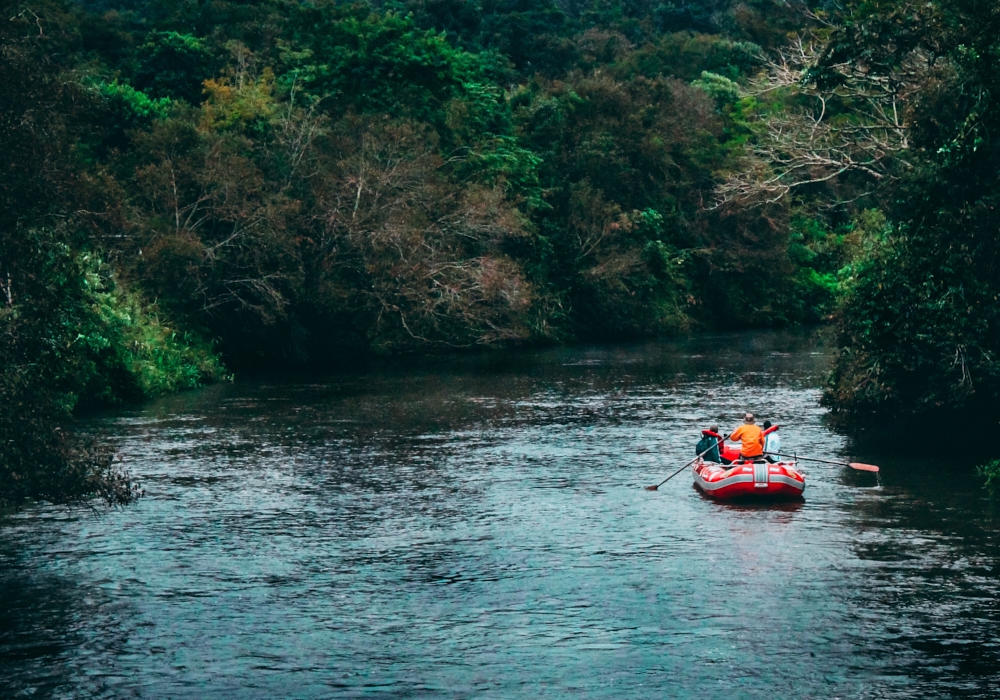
[{"x": 749, "y": 480}]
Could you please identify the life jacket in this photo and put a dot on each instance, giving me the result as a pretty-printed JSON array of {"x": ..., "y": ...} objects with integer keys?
[
  {"x": 704, "y": 443},
  {"x": 722, "y": 440}
]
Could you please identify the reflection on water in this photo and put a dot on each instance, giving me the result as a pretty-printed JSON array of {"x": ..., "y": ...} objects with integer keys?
[{"x": 478, "y": 527}]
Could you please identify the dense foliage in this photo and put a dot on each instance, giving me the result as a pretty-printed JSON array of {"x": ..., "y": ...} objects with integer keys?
[
  {"x": 920, "y": 328},
  {"x": 69, "y": 331},
  {"x": 309, "y": 180}
]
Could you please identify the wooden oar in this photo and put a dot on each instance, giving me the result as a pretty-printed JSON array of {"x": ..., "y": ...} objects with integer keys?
[
  {"x": 653, "y": 488},
  {"x": 853, "y": 465}
]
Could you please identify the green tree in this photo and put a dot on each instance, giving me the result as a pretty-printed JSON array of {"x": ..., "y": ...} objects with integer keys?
[
  {"x": 173, "y": 65},
  {"x": 918, "y": 330},
  {"x": 67, "y": 330}
]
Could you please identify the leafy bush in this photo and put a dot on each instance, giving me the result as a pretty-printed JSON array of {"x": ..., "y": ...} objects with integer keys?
[
  {"x": 371, "y": 62},
  {"x": 990, "y": 473},
  {"x": 173, "y": 65},
  {"x": 132, "y": 107},
  {"x": 689, "y": 56},
  {"x": 137, "y": 354},
  {"x": 43, "y": 369},
  {"x": 42, "y": 459},
  {"x": 720, "y": 88},
  {"x": 69, "y": 332}
]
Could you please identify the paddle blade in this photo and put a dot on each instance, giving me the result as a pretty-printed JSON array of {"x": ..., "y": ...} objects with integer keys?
[
  {"x": 863, "y": 467},
  {"x": 651, "y": 488}
]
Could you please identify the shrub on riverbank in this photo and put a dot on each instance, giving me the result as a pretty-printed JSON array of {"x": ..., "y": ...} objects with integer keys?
[
  {"x": 45, "y": 299},
  {"x": 133, "y": 352},
  {"x": 43, "y": 459},
  {"x": 70, "y": 332},
  {"x": 990, "y": 473}
]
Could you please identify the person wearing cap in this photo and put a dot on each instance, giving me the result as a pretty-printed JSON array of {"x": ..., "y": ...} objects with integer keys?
[{"x": 752, "y": 439}]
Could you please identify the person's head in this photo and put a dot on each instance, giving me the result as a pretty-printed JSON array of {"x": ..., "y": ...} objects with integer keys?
[
  {"x": 766, "y": 424},
  {"x": 713, "y": 428},
  {"x": 748, "y": 418}
]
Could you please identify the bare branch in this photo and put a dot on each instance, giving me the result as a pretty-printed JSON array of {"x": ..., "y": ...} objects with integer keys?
[{"x": 797, "y": 146}]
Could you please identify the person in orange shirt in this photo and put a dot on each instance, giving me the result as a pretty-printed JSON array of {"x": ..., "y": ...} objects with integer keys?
[{"x": 752, "y": 438}]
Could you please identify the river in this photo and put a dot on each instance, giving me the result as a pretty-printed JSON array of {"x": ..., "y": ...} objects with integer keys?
[{"x": 477, "y": 527}]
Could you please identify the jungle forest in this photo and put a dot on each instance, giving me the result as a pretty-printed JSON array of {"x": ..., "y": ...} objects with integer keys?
[{"x": 195, "y": 188}]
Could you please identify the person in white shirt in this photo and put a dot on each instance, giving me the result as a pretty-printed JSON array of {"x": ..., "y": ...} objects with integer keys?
[{"x": 772, "y": 442}]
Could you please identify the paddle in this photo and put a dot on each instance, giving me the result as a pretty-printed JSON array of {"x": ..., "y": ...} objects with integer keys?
[
  {"x": 853, "y": 465},
  {"x": 653, "y": 488}
]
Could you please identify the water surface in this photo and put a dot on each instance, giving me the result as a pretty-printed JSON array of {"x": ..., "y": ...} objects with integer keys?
[{"x": 477, "y": 527}]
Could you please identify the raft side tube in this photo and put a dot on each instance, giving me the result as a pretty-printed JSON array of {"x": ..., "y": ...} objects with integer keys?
[{"x": 756, "y": 479}]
